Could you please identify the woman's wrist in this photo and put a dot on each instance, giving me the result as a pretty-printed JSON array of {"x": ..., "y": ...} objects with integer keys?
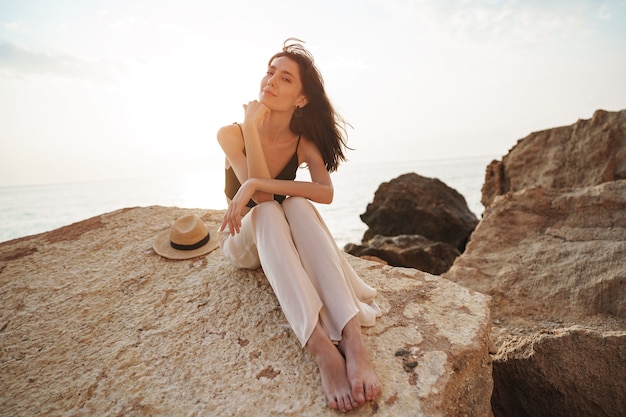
[{"x": 252, "y": 185}]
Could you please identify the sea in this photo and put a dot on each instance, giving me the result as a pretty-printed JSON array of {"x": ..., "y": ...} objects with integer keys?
[{"x": 33, "y": 209}]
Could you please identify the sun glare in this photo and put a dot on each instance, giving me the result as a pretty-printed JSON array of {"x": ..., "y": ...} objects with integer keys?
[{"x": 204, "y": 189}]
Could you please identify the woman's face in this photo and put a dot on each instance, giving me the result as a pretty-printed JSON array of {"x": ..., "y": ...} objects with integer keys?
[{"x": 281, "y": 88}]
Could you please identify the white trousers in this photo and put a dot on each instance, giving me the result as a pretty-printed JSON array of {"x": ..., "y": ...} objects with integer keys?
[{"x": 307, "y": 271}]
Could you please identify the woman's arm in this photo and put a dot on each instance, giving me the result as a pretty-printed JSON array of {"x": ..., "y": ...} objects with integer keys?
[
  {"x": 232, "y": 143},
  {"x": 319, "y": 189},
  {"x": 255, "y": 114}
]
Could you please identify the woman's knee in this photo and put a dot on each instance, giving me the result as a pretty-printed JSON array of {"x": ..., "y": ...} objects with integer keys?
[
  {"x": 268, "y": 213},
  {"x": 269, "y": 209},
  {"x": 296, "y": 204}
]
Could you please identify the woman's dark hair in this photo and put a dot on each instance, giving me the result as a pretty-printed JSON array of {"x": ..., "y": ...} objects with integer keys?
[{"x": 318, "y": 120}]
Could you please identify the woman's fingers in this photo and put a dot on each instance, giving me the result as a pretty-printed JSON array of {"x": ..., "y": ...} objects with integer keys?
[
  {"x": 256, "y": 111},
  {"x": 232, "y": 218},
  {"x": 235, "y": 226}
]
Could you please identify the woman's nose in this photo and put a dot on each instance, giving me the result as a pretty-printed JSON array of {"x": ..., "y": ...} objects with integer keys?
[{"x": 271, "y": 80}]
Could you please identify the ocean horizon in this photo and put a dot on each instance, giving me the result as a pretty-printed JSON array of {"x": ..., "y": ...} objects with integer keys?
[{"x": 33, "y": 209}]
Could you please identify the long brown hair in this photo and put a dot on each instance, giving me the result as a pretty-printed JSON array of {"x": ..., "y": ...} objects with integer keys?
[{"x": 318, "y": 120}]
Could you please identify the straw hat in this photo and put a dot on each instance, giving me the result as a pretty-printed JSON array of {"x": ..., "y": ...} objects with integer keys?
[{"x": 187, "y": 238}]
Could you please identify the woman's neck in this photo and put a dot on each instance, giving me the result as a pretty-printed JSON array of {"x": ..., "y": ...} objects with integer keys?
[{"x": 276, "y": 127}]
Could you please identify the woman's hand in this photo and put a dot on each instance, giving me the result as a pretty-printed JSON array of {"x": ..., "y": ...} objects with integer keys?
[
  {"x": 233, "y": 215},
  {"x": 255, "y": 113}
]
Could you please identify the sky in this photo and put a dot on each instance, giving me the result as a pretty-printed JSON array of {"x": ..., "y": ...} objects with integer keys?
[{"x": 97, "y": 90}]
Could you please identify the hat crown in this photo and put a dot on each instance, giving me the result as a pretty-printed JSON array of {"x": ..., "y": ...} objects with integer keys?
[
  {"x": 188, "y": 237},
  {"x": 188, "y": 230}
]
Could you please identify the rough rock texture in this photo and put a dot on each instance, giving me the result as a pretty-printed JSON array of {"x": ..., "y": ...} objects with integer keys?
[
  {"x": 562, "y": 251},
  {"x": 413, "y": 251},
  {"x": 429, "y": 218},
  {"x": 550, "y": 250},
  {"x": 93, "y": 322},
  {"x": 552, "y": 259},
  {"x": 590, "y": 381},
  {"x": 586, "y": 153}
]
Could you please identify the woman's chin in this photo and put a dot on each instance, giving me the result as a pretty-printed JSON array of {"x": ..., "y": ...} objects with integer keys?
[{"x": 264, "y": 98}]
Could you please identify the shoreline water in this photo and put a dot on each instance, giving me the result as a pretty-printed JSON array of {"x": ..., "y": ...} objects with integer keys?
[
  {"x": 465, "y": 175},
  {"x": 29, "y": 210}
]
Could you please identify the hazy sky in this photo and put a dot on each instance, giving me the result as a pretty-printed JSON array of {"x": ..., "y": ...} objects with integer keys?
[{"x": 128, "y": 88}]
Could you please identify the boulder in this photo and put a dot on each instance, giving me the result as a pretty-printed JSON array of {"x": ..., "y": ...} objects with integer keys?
[
  {"x": 553, "y": 262},
  {"x": 413, "y": 251},
  {"x": 415, "y": 222},
  {"x": 589, "y": 152},
  {"x": 416, "y": 205},
  {"x": 550, "y": 250},
  {"x": 93, "y": 322}
]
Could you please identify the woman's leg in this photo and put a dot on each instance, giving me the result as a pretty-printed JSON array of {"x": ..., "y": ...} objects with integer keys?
[
  {"x": 327, "y": 268},
  {"x": 343, "y": 293},
  {"x": 299, "y": 300},
  {"x": 265, "y": 240},
  {"x": 282, "y": 267}
]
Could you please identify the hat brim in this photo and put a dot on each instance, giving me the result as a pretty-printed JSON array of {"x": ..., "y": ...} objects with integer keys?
[{"x": 161, "y": 246}]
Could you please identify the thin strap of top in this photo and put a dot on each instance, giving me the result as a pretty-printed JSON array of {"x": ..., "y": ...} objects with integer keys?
[{"x": 232, "y": 183}]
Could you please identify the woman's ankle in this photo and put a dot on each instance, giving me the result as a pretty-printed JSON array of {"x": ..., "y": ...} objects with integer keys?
[
  {"x": 351, "y": 336},
  {"x": 318, "y": 343}
]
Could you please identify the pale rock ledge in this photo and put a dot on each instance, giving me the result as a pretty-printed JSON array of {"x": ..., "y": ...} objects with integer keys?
[{"x": 93, "y": 322}]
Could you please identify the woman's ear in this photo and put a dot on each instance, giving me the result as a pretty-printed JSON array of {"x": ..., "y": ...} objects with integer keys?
[{"x": 303, "y": 101}]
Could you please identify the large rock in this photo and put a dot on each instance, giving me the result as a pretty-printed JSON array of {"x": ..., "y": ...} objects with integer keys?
[
  {"x": 550, "y": 250},
  {"x": 589, "y": 152},
  {"x": 416, "y": 205},
  {"x": 553, "y": 259},
  {"x": 415, "y": 222},
  {"x": 553, "y": 253},
  {"x": 93, "y": 322}
]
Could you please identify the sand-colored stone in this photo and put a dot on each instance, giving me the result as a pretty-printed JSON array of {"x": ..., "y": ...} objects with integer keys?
[
  {"x": 93, "y": 322},
  {"x": 553, "y": 261},
  {"x": 550, "y": 250},
  {"x": 551, "y": 255},
  {"x": 586, "y": 153}
]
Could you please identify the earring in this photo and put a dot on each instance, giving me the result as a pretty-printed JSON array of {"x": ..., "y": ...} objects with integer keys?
[{"x": 298, "y": 112}]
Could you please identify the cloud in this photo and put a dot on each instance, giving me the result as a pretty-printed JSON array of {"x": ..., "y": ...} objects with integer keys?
[
  {"x": 19, "y": 27},
  {"x": 498, "y": 22},
  {"x": 16, "y": 61}
]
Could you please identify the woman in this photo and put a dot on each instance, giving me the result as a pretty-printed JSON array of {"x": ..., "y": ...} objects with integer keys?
[{"x": 324, "y": 300}]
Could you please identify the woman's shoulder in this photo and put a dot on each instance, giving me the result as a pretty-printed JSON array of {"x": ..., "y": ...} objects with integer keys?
[
  {"x": 308, "y": 150},
  {"x": 229, "y": 129},
  {"x": 229, "y": 132},
  {"x": 230, "y": 138}
]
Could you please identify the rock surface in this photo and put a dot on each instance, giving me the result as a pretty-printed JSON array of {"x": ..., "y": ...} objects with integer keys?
[
  {"x": 550, "y": 252},
  {"x": 590, "y": 381},
  {"x": 589, "y": 152},
  {"x": 93, "y": 322},
  {"x": 413, "y": 251},
  {"x": 557, "y": 255},
  {"x": 416, "y": 222}
]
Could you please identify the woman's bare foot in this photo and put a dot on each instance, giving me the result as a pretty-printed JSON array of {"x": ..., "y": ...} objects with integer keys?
[
  {"x": 364, "y": 383},
  {"x": 332, "y": 368}
]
